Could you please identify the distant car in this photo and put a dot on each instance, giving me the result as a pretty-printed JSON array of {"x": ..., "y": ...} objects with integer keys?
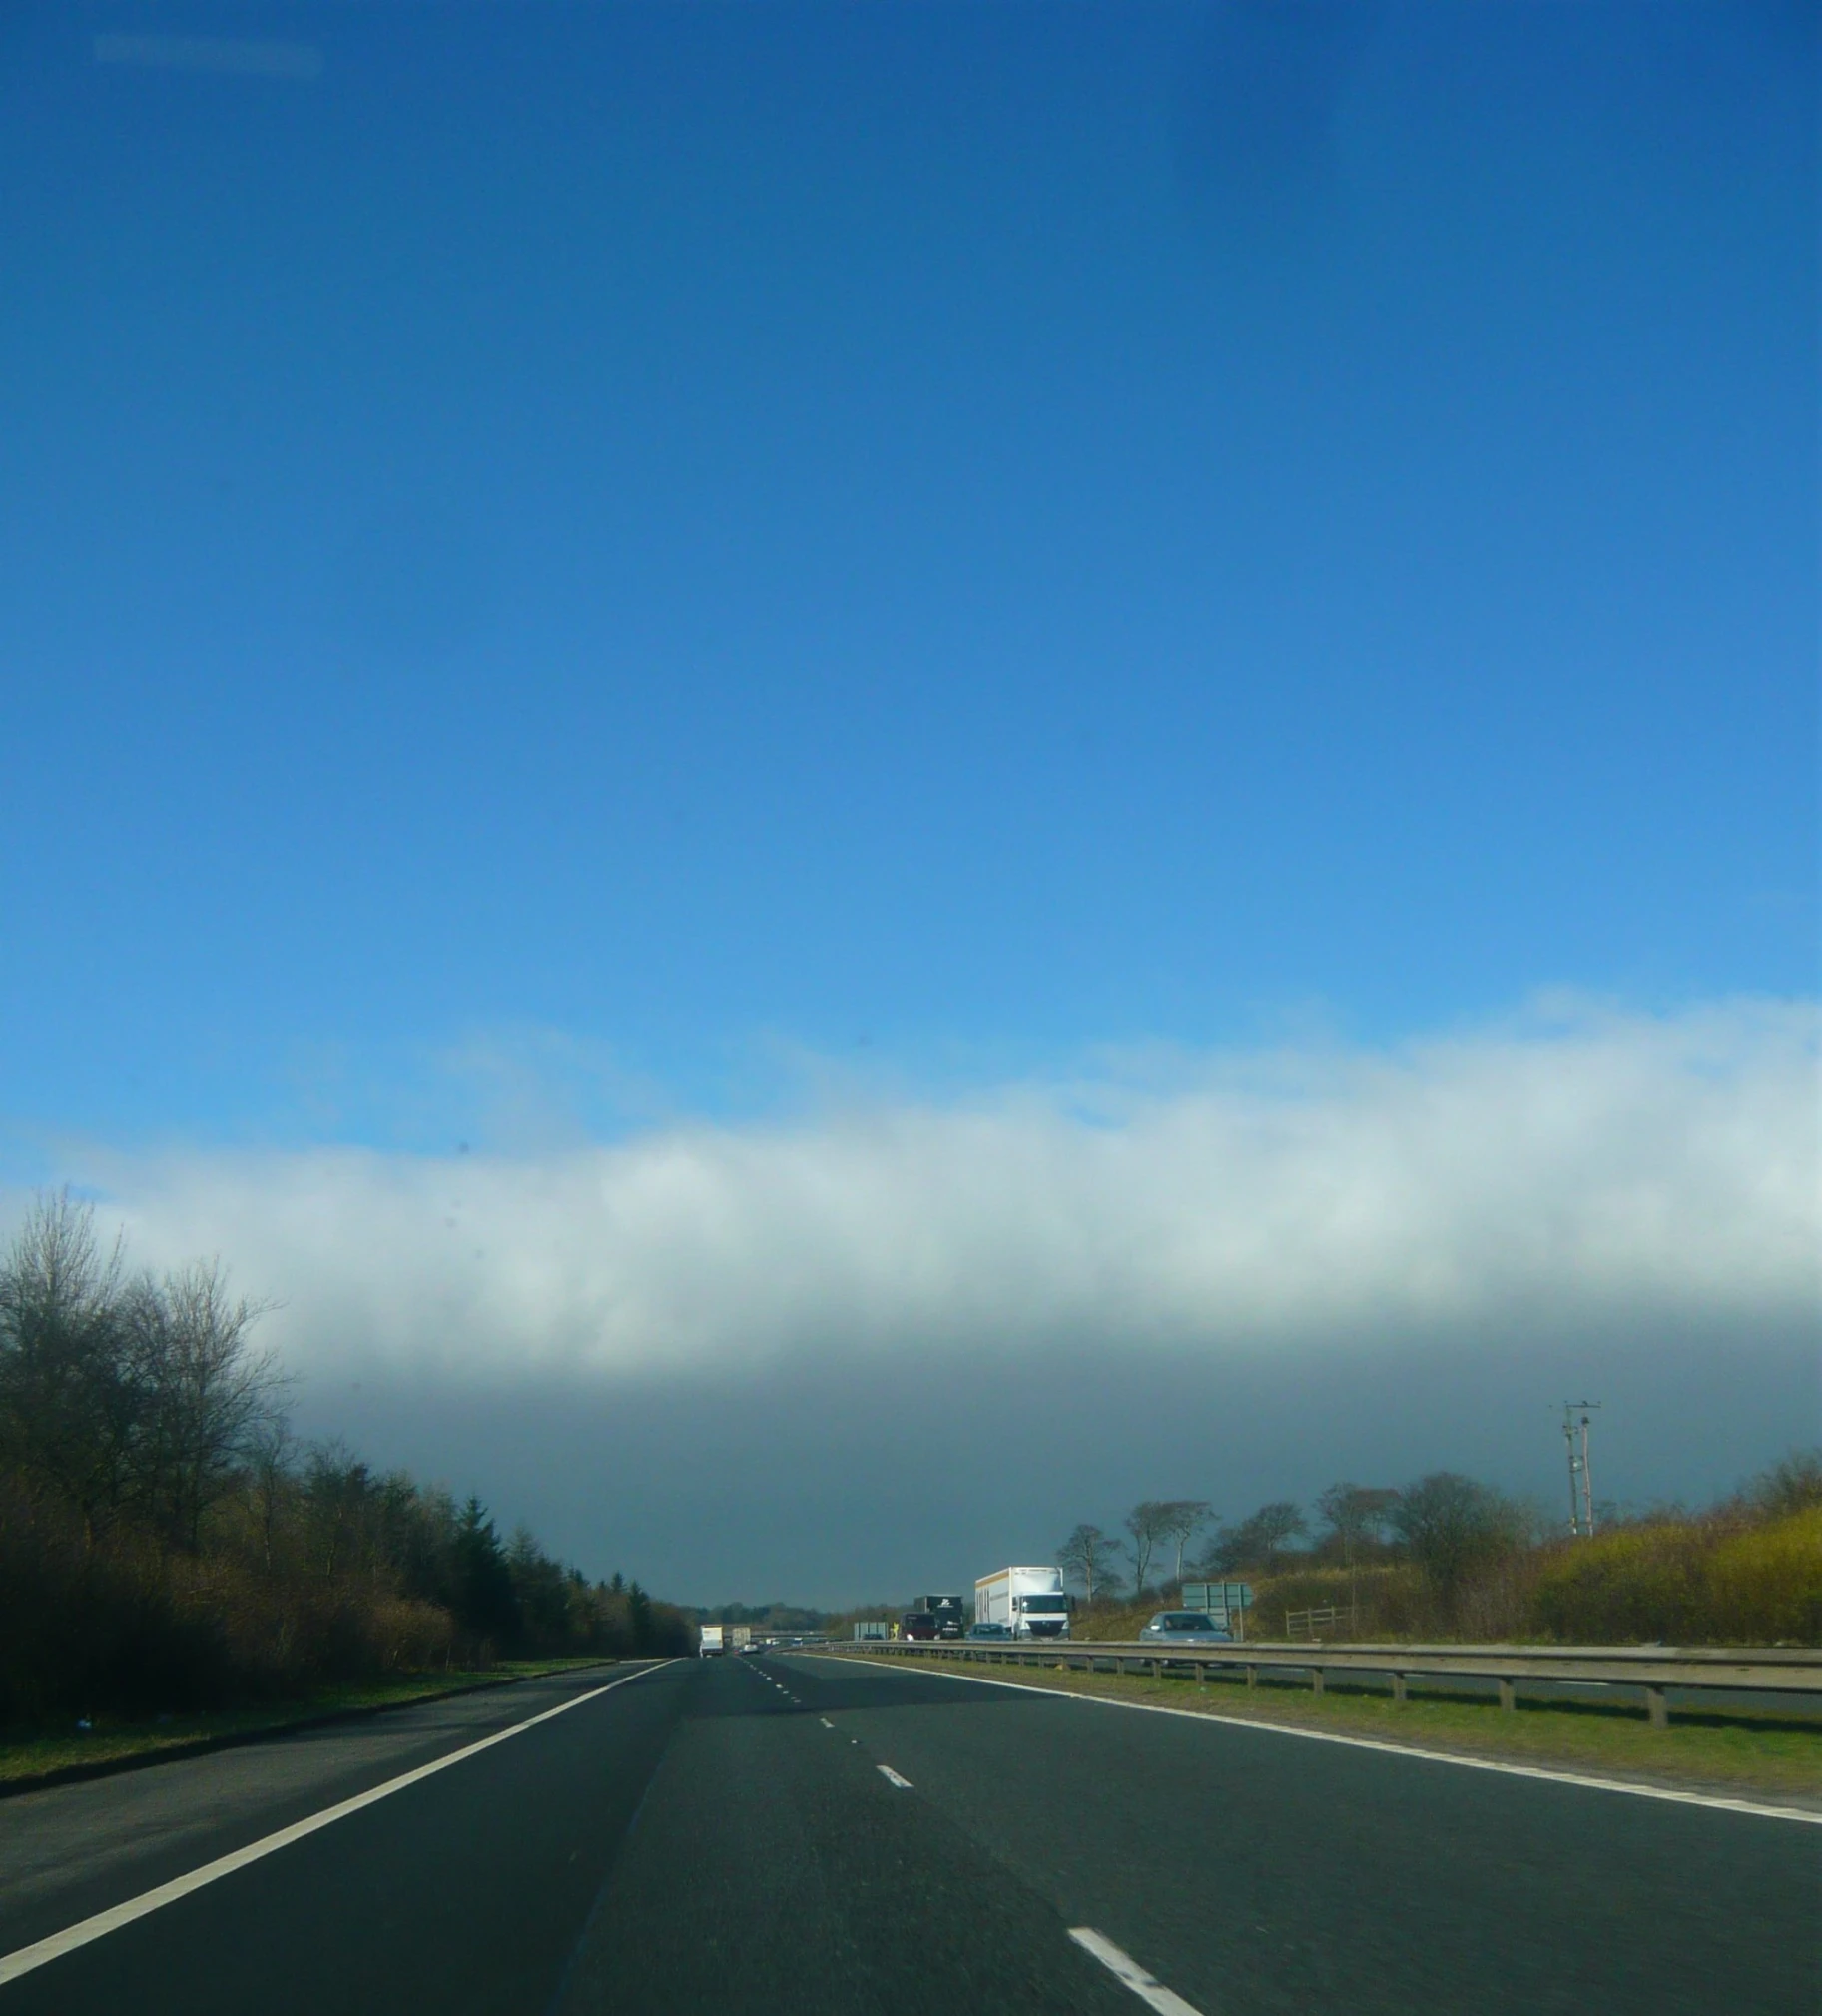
[
  {"x": 748, "y": 1649},
  {"x": 989, "y": 1630},
  {"x": 1186, "y": 1626}
]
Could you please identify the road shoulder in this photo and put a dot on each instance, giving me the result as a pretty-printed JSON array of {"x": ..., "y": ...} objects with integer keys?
[{"x": 38, "y": 1763}]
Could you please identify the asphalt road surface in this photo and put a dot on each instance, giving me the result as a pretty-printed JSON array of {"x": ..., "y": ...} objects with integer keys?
[{"x": 802, "y": 1834}]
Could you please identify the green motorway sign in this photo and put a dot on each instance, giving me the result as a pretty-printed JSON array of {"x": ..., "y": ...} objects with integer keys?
[{"x": 1217, "y": 1594}]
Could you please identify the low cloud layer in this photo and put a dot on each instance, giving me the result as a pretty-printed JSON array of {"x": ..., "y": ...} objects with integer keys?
[{"x": 1581, "y": 1169}]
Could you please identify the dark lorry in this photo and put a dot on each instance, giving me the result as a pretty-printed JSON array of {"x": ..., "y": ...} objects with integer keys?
[{"x": 951, "y": 1617}]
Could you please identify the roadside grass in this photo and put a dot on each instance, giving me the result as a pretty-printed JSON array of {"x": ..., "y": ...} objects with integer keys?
[
  {"x": 35, "y": 1756},
  {"x": 1740, "y": 1753}
]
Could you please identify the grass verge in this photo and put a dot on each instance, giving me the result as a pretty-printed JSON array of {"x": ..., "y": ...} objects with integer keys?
[
  {"x": 1741, "y": 1755},
  {"x": 33, "y": 1758}
]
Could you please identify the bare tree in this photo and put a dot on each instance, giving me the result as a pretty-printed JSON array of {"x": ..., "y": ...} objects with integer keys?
[
  {"x": 1355, "y": 1514},
  {"x": 1793, "y": 1483},
  {"x": 1088, "y": 1555},
  {"x": 1149, "y": 1522},
  {"x": 337, "y": 1488},
  {"x": 71, "y": 1406},
  {"x": 1454, "y": 1525},
  {"x": 1183, "y": 1518},
  {"x": 1258, "y": 1541},
  {"x": 209, "y": 1393},
  {"x": 269, "y": 1464}
]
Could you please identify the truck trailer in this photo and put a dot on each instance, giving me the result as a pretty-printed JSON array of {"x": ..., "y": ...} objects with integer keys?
[
  {"x": 713, "y": 1643},
  {"x": 1029, "y": 1602}
]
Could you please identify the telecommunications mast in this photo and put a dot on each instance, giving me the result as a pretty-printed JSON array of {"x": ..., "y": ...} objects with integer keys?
[{"x": 1582, "y": 1481}]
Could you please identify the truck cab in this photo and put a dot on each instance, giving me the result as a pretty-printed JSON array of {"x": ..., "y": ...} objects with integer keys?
[{"x": 1040, "y": 1613}]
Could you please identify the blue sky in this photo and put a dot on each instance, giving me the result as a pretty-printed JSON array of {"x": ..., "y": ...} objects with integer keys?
[
  {"x": 1103, "y": 610},
  {"x": 974, "y": 530}
]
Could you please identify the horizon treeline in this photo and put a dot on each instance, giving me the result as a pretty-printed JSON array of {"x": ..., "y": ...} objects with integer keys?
[
  {"x": 166, "y": 1544},
  {"x": 1449, "y": 1556}
]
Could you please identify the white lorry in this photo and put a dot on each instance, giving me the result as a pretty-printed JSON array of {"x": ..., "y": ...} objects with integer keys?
[
  {"x": 714, "y": 1640},
  {"x": 1029, "y": 1602}
]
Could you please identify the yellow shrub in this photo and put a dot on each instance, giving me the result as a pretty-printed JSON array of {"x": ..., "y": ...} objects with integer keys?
[
  {"x": 1640, "y": 1583},
  {"x": 1764, "y": 1586},
  {"x": 1690, "y": 1583}
]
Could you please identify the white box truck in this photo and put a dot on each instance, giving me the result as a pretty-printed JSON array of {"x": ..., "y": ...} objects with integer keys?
[
  {"x": 1029, "y": 1602},
  {"x": 714, "y": 1641}
]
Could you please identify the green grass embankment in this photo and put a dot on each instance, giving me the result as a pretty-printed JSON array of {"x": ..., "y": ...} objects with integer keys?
[
  {"x": 1740, "y": 1753},
  {"x": 35, "y": 1758}
]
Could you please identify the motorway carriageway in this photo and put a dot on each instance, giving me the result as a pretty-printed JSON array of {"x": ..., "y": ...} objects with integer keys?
[{"x": 806, "y": 1834}]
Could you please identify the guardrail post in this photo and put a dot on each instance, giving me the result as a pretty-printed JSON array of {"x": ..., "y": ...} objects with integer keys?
[
  {"x": 1201, "y": 1673},
  {"x": 1657, "y": 1708},
  {"x": 1508, "y": 1694},
  {"x": 1252, "y": 1676},
  {"x": 1399, "y": 1692},
  {"x": 1316, "y": 1680}
]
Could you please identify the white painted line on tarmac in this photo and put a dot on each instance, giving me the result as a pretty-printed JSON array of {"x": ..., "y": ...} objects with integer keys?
[
  {"x": 1124, "y": 1967},
  {"x": 827, "y": 1723},
  {"x": 893, "y": 1777},
  {"x": 12, "y": 1966},
  {"x": 1713, "y": 1800}
]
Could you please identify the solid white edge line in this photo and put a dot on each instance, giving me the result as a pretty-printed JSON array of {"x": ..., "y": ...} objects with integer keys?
[
  {"x": 1710, "y": 1799},
  {"x": 1125, "y": 1969},
  {"x": 12, "y": 1966},
  {"x": 903, "y": 1785}
]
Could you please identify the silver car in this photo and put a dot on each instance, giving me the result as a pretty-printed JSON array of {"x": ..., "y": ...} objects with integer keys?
[{"x": 1186, "y": 1626}]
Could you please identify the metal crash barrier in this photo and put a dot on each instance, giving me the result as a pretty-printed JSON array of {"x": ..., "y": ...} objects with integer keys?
[{"x": 1775, "y": 1669}]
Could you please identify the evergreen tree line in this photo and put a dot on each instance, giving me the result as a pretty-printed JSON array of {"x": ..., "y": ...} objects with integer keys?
[
  {"x": 780, "y": 1617},
  {"x": 166, "y": 1544}
]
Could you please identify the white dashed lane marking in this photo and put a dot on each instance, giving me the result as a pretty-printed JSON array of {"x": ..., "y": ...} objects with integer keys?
[{"x": 893, "y": 1777}]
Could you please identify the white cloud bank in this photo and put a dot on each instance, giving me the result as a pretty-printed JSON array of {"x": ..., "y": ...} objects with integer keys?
[{"x": 1583, "y": 1168}]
